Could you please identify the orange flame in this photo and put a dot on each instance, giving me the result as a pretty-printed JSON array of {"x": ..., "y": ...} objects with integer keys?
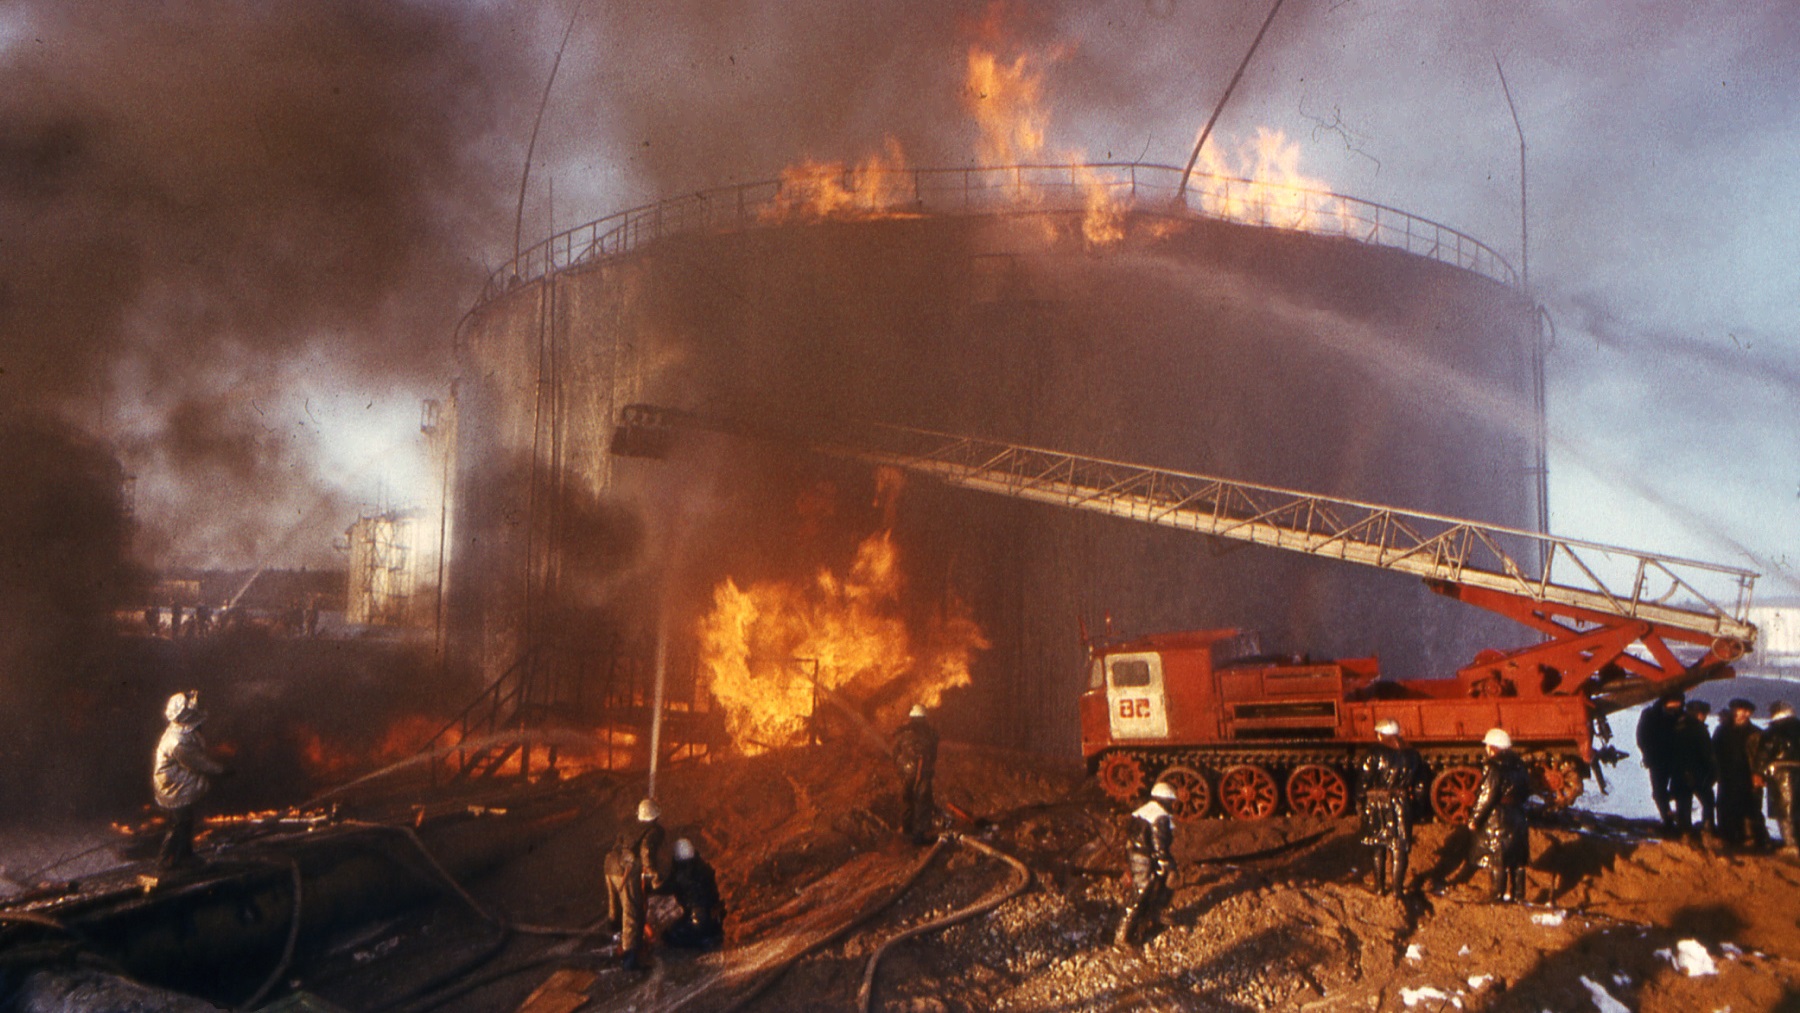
[
  {"x": 1277, "y": 192},
  {"x": 770, "y": 649},
  {"x": 877, "y": 187}
]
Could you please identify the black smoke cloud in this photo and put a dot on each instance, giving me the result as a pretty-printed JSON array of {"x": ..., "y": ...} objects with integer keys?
[{"x": 193, "y": 196}]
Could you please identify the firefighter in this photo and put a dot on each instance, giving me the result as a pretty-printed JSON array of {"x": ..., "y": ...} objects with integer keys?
[
  {"x": 695, "y": 887},
  {"x": 1699, "y": 771},
  {"x": 1152, "y": 857},
  {"x": 915, "y": 753},
  {"x": 633, "y": 871},
  {"x": 1736, "y": 744},
  {"x": 181, "y": 775},
  {"x": 1391, "y": 774},
  {"x": 1779, "y": 759},
  {"x": 1656, "y": 734},
  {"x": 1502, "y": 842}
]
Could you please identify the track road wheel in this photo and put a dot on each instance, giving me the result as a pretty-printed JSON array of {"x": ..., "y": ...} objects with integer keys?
[
  {"x": 1453, "y": 793},
  {"x": 1559, "y": 781},
  {"x": 1247, "y": 792},
  {"x": 1121, "y": 776},
  {"x": 1193, "y": 797},
  {"x": 1316, "y": 790}
]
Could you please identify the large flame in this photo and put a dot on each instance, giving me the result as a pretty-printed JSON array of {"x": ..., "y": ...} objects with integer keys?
[
  {"x": 1277, "y": 193},
  {"x": 773, "y": 651},
  {"x": 875, "y": 187}
]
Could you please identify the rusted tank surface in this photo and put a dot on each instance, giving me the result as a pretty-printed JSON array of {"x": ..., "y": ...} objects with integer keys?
[{"x": 1258, "y": 353}]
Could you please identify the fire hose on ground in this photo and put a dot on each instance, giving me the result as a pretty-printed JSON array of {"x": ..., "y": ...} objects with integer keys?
[{"x": 1019, "y": 885}]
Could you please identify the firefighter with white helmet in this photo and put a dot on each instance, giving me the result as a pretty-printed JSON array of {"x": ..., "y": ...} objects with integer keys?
[
  {"x": 1151, "y": 844},
  {"x": 1502, "y": 842},
  {"x": 633, "y": 870},
  {"x": 181, "y": 775},
  {"x": 1391, "y": 774},
  {"x": 915, "y": 754},
  {"x": 695, "y": 886}
]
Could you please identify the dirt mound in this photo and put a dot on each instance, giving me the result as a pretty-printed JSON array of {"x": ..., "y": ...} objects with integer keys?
[{"x": 1268, "y": 915}]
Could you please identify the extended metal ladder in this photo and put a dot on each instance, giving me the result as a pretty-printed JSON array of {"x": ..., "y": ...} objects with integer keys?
[{"x": 1702, "y": 600}]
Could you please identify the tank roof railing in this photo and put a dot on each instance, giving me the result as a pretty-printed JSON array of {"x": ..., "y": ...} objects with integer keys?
[{"x": 1105, "y": 187}]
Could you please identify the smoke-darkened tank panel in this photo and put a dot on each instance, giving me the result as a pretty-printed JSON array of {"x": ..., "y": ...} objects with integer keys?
[{"x": 1264, "y": 355}]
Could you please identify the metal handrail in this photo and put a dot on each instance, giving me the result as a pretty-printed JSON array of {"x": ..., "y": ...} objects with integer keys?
[{"x": 1072, "y": 188}]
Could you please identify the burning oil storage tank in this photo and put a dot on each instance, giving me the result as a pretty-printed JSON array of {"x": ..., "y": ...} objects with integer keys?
[{"x": 1290, "y": 338}]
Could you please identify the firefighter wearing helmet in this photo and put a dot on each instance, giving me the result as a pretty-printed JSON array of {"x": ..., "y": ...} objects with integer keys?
[
  {"x": 1390, "y": 777},
  {"x": 915, "y": 755},
  {"x": 633, "y": 871},
  {"x": 1502, "y": 845},
  {"x": 1151, "y": 840},
  {"x": 695, "y": 886},
  {"x": 182, "y": 773}
]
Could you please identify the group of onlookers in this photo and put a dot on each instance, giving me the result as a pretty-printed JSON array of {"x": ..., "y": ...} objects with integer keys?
[{"x": 1727, "y": 771}]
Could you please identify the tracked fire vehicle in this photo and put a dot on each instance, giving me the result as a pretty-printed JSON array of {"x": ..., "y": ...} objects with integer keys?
[{"x": 1241, "y": 732}]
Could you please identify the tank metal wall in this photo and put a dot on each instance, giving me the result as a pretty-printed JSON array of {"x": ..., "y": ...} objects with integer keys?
[{"x": 1262, "y": 355}]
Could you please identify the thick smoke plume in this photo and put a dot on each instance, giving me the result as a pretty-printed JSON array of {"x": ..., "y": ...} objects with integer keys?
[{"x": 203, "y": 202}]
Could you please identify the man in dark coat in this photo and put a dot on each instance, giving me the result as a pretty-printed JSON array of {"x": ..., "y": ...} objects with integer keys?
[
  {"x": 1736, "y": 745},
  {"x": 1151, "y": 853},
  {"x": 915, "y": 753},
  {"x": 1502, "y": 844},
  {"x": 1697, "y": 769},
  {"x": 633, "y": 870},
  {"x": 695, "y": 887},
  {"x": 1656, "y": 740},
  {"x": 1390, "y": 777},
  {"x": 1780, "y": 765}
]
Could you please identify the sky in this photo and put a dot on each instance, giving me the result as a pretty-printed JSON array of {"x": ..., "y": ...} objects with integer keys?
[{"x": 237, "y": 237}]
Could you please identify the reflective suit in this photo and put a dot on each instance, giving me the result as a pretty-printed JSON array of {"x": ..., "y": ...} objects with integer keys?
[
  {"x": 915, "y": 753},
  {"x": 1151, "y": 847},
  {"x": 1502, "y": 842},
  {"x": 1390, "y": 777},
  {"x": 694, "y": 885},
  {"x": 632, "y": 871},
  {"x": 1779, "y": 760},
  {"x": 181, "y": 775}
]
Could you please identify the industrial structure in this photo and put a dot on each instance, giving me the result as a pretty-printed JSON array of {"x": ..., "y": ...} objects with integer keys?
[{"x": 1294, "y": 338}]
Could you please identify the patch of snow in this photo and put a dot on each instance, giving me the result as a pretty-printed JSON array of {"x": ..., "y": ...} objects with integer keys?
[
  {"x": 1416, "y": 953},
  {"x": 1603, "y": 1000},
  {"x": 1692, "y": 959},
  {"x": 1479, "y": 981},
  {"x": 1622, "y": 980},
  {"x": 1550, "y": 918},
  {"x": 1413, "y": 996},
  {"x": 1730, "y": 950},
  {"x": 1465, "y": 951}
]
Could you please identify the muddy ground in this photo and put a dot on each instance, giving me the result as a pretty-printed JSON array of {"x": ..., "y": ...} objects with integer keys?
[{"x": 1270, "y": 915}]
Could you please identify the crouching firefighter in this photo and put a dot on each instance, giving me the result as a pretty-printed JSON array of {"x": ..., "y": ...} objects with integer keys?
[
  {"x": 695, "y": 887},
  {"x": 1390, "y": 776},
  {"x": 1152, "y": 856},
  {"x": 1498, "y": 819},
  {"x": 632, "y": 872}
]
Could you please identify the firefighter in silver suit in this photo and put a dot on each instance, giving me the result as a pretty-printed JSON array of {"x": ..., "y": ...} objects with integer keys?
[
  {"x": 1502, "y": 844},
  {"x": 1152, "y": 858},
  {"x": 1779, "y": 756},
  {"x": 1391, "y": 774}
]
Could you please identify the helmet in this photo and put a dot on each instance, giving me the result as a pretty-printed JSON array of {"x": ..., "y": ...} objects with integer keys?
[
  {"x": 184, "y": 709},
  {"x": 918, "y": 711},
  {"x": 1497, "y": 738},
  {"x": 1781, "y": 709},
  {"x": 684, "y": 850},
  {"x": 648, "y": 812},
  {"x": 1163, "y": 791},
  {"x": 1387, "y": 726}
]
